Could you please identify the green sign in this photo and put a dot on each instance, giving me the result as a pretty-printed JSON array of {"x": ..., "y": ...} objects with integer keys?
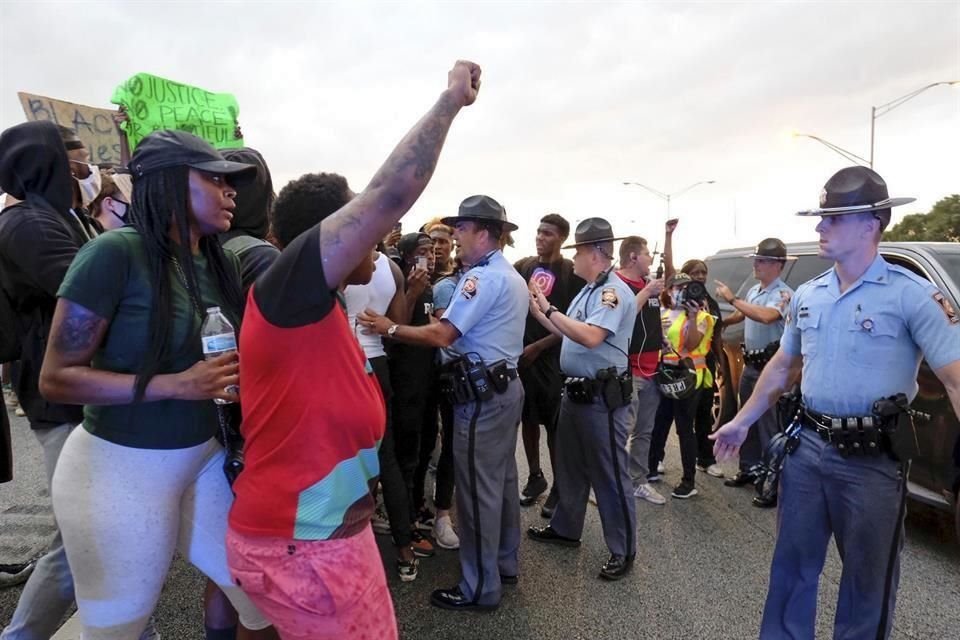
[{"x": 153, "y": 103}]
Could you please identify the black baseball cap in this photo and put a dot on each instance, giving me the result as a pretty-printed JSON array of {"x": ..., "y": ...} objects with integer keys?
[{"x": 170, "y": 148}]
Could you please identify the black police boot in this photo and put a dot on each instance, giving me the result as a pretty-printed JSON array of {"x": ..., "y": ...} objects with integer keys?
[
  {"x": 742, "y": 479},
  {"x": 548, "y": 535},
  {"x": 765, "y": 502},
  {"x": 536, "y": 485},
  {"x": 454, "y": 600},
  {"x": 617, "y": 566}
]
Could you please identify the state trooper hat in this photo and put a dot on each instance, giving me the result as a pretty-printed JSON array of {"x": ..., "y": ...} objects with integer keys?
[
  {"x": 854, "y": 190},
  {"x": 481, "y": 208},
  {"x": 592, "y": 231},
  {"x": 771, "y": 249},
  {"x": 169, "y": 148}
]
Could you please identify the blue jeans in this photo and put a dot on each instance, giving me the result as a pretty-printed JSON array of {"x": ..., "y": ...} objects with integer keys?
[{"x": 857, "y": 500}]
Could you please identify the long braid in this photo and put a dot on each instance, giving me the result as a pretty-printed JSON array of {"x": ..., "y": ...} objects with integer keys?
[{"x": 159, "y": 199}]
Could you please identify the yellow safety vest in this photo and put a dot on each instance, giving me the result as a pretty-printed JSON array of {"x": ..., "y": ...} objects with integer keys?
[{"x": 674, "y": 335}]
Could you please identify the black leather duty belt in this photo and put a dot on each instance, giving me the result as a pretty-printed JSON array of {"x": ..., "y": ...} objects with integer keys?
[{"x": 851, "y": 434}]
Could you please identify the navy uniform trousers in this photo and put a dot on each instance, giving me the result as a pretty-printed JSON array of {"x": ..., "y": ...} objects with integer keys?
[
  {"x": 592, "y": 453},
  {"x": 488, "y": 497},
  {"x": 859, "y": 500}
]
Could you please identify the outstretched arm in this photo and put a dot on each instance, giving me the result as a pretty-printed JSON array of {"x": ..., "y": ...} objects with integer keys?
[{"x": 347, "y": 236}]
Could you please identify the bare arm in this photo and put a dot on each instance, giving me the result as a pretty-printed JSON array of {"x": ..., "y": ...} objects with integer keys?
[
  {"x": 68, "y": 378},
  {"x": 950, "y": 377},
  {"x": 440, "y": 334},
  {"x": 397, "y": 310},
  {"x": 693, "y": 335},
  {"x": 668, "y": 269},
  {"x": 348, "y": 235},
  {"x": 734, "y": 318},
  {"x": 588, "y": 335},
  {"x": 776, "y": 379}
]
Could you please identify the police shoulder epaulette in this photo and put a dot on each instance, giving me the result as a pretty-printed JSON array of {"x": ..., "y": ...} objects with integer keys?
[{"x": 895, "y": 268}]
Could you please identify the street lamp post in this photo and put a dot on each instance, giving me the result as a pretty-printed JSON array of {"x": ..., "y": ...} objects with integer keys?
[
  {"x": 849, "y": 155},
  {"x": 668, "y": 196},
  {"x": 876, "y": 112}
]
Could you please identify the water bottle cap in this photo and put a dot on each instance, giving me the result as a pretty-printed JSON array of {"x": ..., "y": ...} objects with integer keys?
[{"x": 212, "y": 310}]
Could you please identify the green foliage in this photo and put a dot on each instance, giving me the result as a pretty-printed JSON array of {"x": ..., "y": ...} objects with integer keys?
[{"x": 941, "y": 224}]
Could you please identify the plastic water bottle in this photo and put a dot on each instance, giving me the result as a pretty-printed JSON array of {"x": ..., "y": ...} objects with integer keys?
[{"x": 218, "y": 338}]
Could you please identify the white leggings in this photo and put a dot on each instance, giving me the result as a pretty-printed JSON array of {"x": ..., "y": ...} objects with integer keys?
[{"x": 122, "y": 512}]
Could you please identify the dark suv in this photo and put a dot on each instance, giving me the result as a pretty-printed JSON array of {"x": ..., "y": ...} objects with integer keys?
[{"x": 935, "y": 475}]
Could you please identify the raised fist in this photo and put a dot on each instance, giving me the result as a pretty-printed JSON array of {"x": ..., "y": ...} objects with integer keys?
[{"x": 463, "y": 81}]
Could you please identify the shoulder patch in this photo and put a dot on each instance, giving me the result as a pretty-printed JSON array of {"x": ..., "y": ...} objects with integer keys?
[
  {"x": 609, "y": 297},
  {"x": 469, "y": 289},
  {"x": 947, "y": 308}
]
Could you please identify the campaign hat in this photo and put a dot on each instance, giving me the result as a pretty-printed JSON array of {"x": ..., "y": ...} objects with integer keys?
[
  {"x": 592, "y": 231},
  {"x": 483, "y": 209},
  {"x": 771, "y": 249},
  {"x": 854, "y": 190}
]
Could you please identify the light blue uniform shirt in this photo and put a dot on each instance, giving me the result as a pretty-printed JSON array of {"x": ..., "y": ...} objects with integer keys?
[
  {"x": 757, "y": 335},
  {"x": 867, "y": 343},
  {"x": 489, "y": 309},
  {"x": 443, "y": 291},
  {"x": 611, "y": 306}
]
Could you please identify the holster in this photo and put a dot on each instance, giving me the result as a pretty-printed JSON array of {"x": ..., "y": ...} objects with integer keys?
[
  {"x": 580, "y": 390},
  {"x": 454, "y": 384},
  {"x": 615, "y": 389}
]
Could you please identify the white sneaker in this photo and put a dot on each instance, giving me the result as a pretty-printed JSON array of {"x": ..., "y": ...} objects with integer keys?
[
  {"x": 648, "y": 493},
  {"x": 661, "y": 468},
  {"x": 444, "y": 535},
  {"x": 714, "y": 470},
  {"x": 380, "y": 521}
]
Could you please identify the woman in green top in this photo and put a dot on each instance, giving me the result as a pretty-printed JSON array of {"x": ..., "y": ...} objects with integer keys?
[{"x": 142, "y": 476}]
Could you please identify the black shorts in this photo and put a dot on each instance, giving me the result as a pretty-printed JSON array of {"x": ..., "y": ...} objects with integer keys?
[{"x": 541, "y": 401}]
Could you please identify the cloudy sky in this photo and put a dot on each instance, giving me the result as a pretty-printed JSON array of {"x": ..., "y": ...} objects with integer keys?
[{"x": 576, "y": 98}]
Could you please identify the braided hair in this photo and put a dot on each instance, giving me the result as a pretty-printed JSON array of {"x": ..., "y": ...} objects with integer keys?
[{"x": 160, "y": 199}]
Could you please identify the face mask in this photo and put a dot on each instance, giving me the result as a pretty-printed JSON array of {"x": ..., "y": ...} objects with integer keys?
[
  {"x": 123, "y": 212},
  {"x": 90, "y": 186}
]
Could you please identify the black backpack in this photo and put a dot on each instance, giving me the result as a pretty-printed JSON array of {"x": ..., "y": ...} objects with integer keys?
[{"x": 11, "y": 331}]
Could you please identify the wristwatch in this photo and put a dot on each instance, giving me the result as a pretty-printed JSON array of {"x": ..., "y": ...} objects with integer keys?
[
  {"x": 392, "y": 330},
  {"x": 550, "y": 310}
]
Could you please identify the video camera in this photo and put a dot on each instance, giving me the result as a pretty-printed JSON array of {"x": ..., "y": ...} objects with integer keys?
[{"x": 692, "y": 291}]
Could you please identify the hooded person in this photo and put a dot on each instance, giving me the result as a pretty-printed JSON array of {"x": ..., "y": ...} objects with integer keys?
[
  {"x": 39, "y": 237},
  {"x": 251, "y": 219}
]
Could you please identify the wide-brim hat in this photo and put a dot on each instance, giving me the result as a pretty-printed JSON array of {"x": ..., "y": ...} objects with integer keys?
[
  {"x": 170, "y": 148},
  {"x": 481, "y": 208},
  {"x": 854, "y": 190},
  {"x": 592, "y": 231},
  {"x": 771, "y": 249}
]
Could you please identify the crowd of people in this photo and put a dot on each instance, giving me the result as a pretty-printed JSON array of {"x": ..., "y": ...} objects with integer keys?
[{"x": 371, "y": 357}]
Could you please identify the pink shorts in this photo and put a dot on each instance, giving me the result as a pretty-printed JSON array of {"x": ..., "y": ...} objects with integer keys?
[{"x": 315, "y": 589}]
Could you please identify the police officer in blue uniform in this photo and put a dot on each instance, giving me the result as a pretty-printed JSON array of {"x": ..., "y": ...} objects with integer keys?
[
  {"x": 484, "y": 325},
  {"x": 596, "y": 413},
  {"x": 762, "y": 311},
  {"x": 858, "y": 333}
]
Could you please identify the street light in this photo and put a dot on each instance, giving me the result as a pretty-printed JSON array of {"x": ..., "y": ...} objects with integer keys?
[
  {"x": 668, "y": 196},
  {"x": 876, "y": 112},
  {"x": 849, "y": 155}
]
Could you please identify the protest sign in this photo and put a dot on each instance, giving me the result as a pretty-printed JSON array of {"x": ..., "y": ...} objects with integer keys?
[
  {"x": 155, "y": 103},
  {"x": 94, "y": 126}
]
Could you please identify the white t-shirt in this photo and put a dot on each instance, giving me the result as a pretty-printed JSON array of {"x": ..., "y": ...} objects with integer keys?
[{"x": 375, "y": 295}]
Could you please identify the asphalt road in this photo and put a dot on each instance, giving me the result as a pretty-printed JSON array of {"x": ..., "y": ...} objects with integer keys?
[{"x": 701, "y": 572}]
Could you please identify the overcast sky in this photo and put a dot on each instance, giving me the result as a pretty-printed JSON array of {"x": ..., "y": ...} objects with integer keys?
[{"x": 576, "y": 98}]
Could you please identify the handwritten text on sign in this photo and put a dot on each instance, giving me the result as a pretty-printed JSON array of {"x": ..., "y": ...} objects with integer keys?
[
  {"x": 93, "y": 126},
  {"x": 155, "y": 103}
]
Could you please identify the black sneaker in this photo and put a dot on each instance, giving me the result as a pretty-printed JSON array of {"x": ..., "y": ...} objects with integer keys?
[
  {"x": 550, "y": 504},
  {"x": 684, "y": 490},
  {"x": 424, "y": 520},
  {"x": 742, "y": 479},
  {"x": 536, "y": 486}
]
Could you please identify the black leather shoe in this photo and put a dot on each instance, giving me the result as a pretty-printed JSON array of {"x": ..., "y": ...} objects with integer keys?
[
  {"x": 454, "y": 600},
  {"x": 742, "y": 479},
  {"x": 547, "y": 534},
  {"x": 765, "y": 503},
  {"x": 510, "y": 580},
  {"x": 617, "y": 567}
]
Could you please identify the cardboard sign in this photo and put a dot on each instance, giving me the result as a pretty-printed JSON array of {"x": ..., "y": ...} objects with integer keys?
[
  {"x": 155, "y": 103},
  {"x": 92, "y": 125}
]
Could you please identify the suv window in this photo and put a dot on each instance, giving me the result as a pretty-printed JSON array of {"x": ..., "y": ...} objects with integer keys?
[
  {"x": 733, "y": 271},
  {"x": 805, "y": 268}
]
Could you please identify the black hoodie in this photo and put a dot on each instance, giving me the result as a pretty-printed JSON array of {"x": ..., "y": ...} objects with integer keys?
[
  {"x": 251, "y": 217},
  {"x": 39, "y": 238}
]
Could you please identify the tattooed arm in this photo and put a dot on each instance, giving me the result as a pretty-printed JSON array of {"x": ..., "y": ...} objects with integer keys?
[
  {"x": 348, "y": 235},
  {"x": 68, "y": 378}
]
